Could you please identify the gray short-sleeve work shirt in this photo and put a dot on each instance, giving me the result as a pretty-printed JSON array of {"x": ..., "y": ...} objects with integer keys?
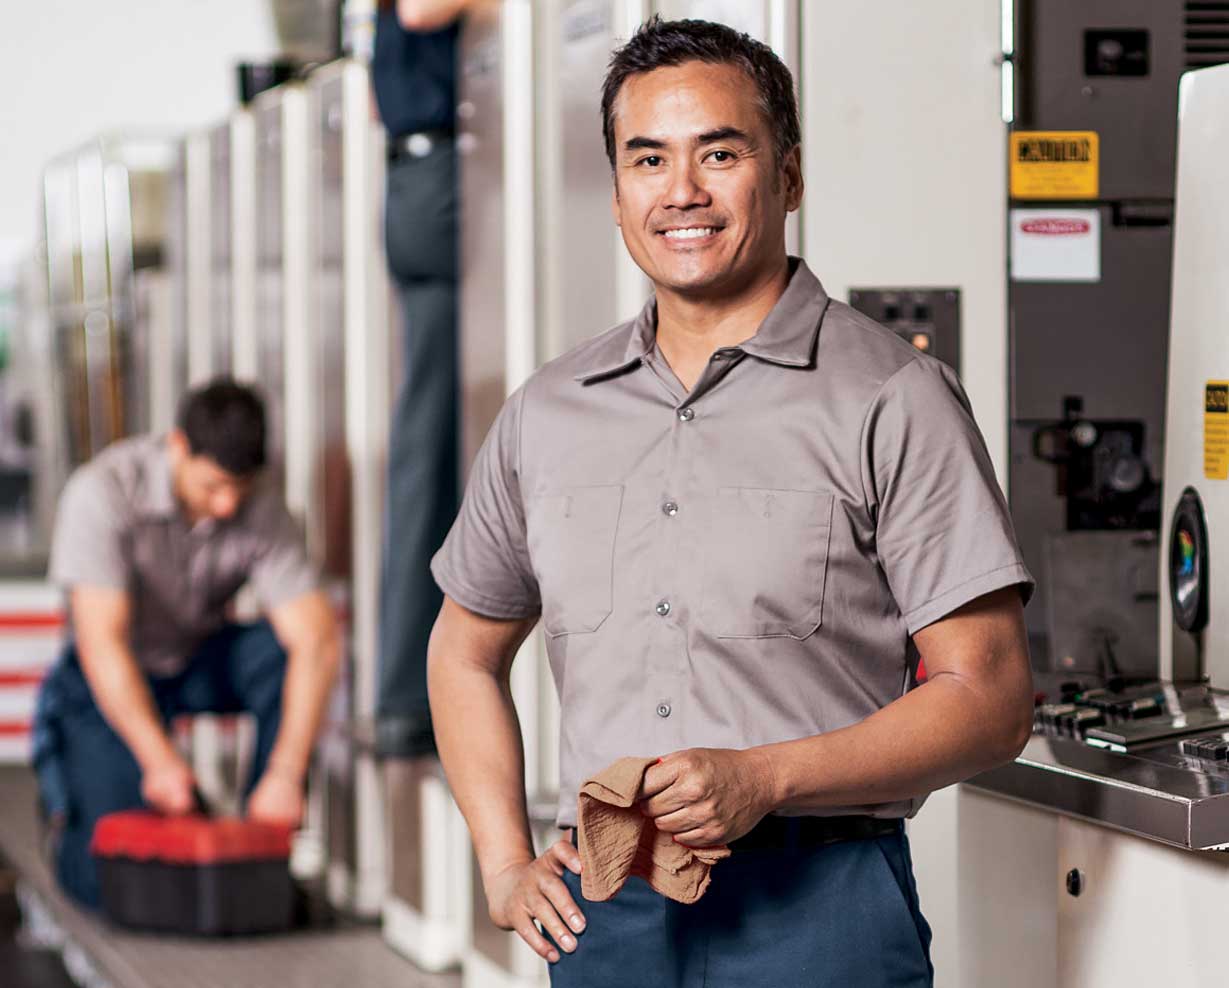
[
  {"x": 738, "y": 565},
  {"x": 119, "y": 525}
]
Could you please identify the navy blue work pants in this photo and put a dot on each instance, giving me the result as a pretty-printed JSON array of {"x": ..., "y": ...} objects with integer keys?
[
  {"x": 836, "y": 916},
  {"x": 86, "y": 771},
  {"x": 423, "y": 458}
]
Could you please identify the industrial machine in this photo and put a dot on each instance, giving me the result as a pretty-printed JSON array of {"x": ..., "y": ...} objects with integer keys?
[
  {"x": 1091, "y": 234},
  {"x": 1152, "y": 758}
]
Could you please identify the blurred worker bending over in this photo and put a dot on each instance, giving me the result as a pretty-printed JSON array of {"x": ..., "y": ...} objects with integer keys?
[
  {"x": 414, "y": 77},
  {"x": 153, "y": 539}
]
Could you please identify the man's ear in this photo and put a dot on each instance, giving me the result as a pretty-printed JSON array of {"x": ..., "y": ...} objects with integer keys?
[
  {"x": 792, "y": 167},
  {"x": 178, "y": 445},
  {"x": 614, "y": 201}
]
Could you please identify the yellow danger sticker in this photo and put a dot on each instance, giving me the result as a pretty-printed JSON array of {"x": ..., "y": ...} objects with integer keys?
[
  {"x": 1216, "y": 430},
  {"x": 1055, "y": 164}
]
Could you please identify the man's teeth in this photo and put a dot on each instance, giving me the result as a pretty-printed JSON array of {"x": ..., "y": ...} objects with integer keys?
[{"x": 692, "y": 233}]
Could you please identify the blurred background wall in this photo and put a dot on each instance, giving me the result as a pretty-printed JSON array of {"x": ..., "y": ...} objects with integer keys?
[{"x": 183, "y": 78}]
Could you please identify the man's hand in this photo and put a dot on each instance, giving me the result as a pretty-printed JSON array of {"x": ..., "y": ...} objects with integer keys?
[
  {"x": 167, "y": 786},
  {"x": 708, "y": 796},
  {"x": 277, "y": 798},
  {"x": 534, "y": 890}
]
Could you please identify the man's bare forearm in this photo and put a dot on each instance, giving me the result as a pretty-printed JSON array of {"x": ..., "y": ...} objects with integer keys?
[
  {"x": 307, "y": 628},
  {"x": 310, "y": 672},
  {"x": 942, "y": 732},
  {"x": 124, "y": 697},
  {"x": 479, "y": 741}
]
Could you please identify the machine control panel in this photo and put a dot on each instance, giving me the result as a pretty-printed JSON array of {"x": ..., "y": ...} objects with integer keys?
[
  {"x": 1080, "y": 710},
  {"x": 1139, "y": 716},
  {"x": 929, "y": 318}
]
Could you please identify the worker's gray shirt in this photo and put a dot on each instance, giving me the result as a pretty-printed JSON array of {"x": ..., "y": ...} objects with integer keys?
[
  {"x": 119, "y": 526},
  {"x": 741, "y": 564}
]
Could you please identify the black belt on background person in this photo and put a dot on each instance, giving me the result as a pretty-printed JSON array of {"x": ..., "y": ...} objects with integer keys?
[
  {"x": 789, "y": 833},
  {"x": 419, "y": 144}
]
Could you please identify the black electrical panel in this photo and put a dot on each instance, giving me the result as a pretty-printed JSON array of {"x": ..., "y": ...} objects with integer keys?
[{"x": 929, "y": 318}]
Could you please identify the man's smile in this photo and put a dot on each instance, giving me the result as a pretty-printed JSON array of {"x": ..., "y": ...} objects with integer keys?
[{"x": 690, "y": 236}]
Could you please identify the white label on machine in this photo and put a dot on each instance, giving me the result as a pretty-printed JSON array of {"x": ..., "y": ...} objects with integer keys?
[{"x": 1055, "y": 245}]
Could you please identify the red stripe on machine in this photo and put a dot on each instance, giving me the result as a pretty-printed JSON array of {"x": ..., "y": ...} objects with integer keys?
[{"x": 14, "y": 728}]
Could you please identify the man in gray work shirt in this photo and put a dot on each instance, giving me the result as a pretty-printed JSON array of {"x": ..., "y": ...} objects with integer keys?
[
  {"x": 153, "y": 539},
  {"x": 742, "y": 518}
]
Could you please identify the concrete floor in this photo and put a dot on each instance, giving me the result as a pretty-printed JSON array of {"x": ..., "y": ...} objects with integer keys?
[
  {"x": 342, "y": 955},
  {"x": 23, "y": 967}
]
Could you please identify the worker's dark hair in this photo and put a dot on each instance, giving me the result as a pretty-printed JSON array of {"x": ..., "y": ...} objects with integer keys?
[
  {"x": 659, "y": 43},
  {"x": 225, "y": 421}
]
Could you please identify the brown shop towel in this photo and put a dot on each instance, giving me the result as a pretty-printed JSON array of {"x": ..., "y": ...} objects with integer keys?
[{"x": 616, "y": 840}]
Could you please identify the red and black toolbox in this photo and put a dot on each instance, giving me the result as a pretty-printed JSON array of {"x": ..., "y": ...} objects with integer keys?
[{"x": 194, "y": 874}]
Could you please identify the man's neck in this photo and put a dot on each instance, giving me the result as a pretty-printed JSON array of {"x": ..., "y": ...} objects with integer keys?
[{"x": 690, "y": 329}]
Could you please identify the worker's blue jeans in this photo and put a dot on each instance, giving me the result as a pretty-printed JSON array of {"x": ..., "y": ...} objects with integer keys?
[
  {"x": 837, "y": 916},
  {"x": 423, "y": 474},
  {"x": 86, "y": 771}
]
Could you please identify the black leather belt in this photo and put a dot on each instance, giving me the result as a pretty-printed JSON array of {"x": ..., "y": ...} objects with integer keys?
[
  {"x": 418, "y": 144},
  {"x": 791, "y": 832}
]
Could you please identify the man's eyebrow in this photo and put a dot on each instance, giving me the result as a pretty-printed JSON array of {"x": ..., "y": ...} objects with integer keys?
[
  {"x": 723, "y": 134},
  {"x": 638, "y": 143},
  {"x": 708, "y": 137}
]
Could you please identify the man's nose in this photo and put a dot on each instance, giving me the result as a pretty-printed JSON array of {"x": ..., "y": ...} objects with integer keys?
[{"x": 686, "y": 189}]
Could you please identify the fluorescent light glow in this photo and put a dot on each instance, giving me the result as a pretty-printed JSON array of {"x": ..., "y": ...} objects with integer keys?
[{"x": 1008, "y": 86}]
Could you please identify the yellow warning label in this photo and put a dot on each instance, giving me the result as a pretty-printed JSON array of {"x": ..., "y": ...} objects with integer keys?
[
  {"x": 1216, "y": 430},
  {"x": 1055, "y": 164}
]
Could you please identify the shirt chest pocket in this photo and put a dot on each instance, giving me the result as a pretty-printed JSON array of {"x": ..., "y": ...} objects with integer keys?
[
  {"x": 571, "y": 537},
  {"x": 767, "y": 563}
]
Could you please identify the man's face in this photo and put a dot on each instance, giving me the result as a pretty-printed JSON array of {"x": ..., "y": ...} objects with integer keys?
[
  {"x": 203, "y": 488},
  {"x": 699, "y": 195}
]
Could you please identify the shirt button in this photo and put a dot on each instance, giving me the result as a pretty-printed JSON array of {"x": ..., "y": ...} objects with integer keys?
[
  {"x": 663, "y": 607},
  {"x": 663, "y": 710},
  {"x": 687, "y": 414},
  {"x": 670, "y": 508}
]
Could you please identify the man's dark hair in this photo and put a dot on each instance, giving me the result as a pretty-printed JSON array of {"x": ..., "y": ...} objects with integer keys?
[
  {"x": 659, "y": 43},
  {"x": 225, "y": 421}
]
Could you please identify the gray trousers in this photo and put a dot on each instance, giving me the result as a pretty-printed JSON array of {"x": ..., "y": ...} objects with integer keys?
[{"x": 421, "y": 239}]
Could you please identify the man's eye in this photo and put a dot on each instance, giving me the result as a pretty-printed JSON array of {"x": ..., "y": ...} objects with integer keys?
[
  {"x": 651, "y": 160},
  {"x": 722, "y": 156}
]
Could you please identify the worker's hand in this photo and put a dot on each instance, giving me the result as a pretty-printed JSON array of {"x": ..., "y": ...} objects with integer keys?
[
  {"x": 167, "y": 786},
  {"x": 534, "y": 890},
  {"x": 708, "y": 796},
  {"x": 277, "y": 798}
]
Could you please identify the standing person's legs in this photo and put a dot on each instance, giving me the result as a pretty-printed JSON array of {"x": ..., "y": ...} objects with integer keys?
[
  {"x": 85, "y": 771},
  {"x": 843, "y": 915},
  {"x": 421, "y": 235},
  {"x": 238, "y": 669}
]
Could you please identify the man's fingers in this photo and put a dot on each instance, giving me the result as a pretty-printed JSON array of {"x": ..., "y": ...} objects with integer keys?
[
  {"x": 563, "y": 903},
  {"x": 657, "y": 778},
  {"x": 697, "y": 837},
  {"x": 537, "y": 943},
  {"x": 677, "y": 822},
  {"x": 562, "y": 855},
  {"x": 544, "y": 912}
]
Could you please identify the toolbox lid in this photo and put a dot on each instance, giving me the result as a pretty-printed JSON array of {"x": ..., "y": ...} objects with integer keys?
[{"x": 191, "y": 839}]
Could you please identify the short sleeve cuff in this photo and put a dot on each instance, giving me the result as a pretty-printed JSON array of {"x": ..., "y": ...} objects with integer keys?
[
  {"x": 284, "y": 591},
  {"x": 497, "y": 608},
  {"x": 1014, "y": 574}
]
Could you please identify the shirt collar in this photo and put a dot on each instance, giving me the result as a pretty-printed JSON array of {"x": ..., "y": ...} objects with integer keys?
[
  {"x": 785, "y": 337},
  {"x": 156, "y": 496}
]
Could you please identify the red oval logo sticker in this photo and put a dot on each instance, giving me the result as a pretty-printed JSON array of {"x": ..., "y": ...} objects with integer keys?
[{"x": 1056, "y": 227}]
